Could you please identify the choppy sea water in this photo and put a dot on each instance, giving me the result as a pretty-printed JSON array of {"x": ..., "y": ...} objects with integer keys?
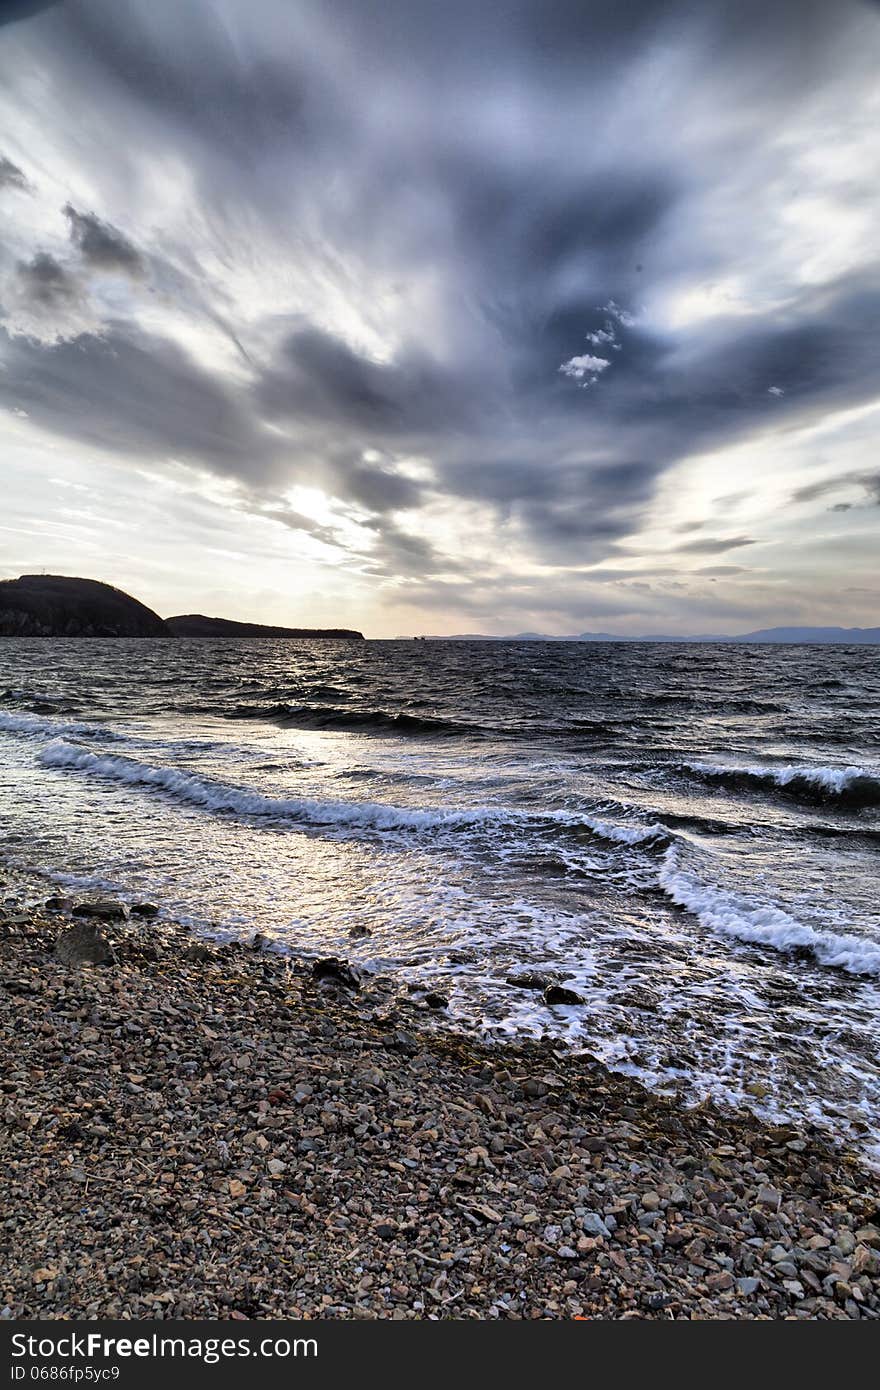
[{"x": 690, "y": 835}]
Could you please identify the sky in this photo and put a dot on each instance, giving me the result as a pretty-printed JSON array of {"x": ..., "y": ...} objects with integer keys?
[{"x": 488, "y": 316}]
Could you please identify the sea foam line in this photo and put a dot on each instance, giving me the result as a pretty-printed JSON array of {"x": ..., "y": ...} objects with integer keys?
[
  {"x": 762, "y": 924},
  {"x": 220, "y": 797}
]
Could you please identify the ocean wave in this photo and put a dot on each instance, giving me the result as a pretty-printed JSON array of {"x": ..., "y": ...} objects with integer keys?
[
  {"x": 762, "y": 924},
  {"x": 852, "y": 787},
  {"x": 37, "y": 726},
  {"x": 744, "y": 706},
  {"x": 330, "y": 717},
  {"x": 622, "y": 834},
  {"x": 221, "y": 797}
]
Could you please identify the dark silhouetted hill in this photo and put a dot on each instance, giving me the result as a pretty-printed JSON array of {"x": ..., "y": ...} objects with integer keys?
[
  {"x": 197, "y": 625},
  {"x": 53, "y": 605}
]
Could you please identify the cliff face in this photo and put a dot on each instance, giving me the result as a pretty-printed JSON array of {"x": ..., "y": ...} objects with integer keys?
[
  {"x": 197, "y": 625},
  {"x": 51, "y": 605}
]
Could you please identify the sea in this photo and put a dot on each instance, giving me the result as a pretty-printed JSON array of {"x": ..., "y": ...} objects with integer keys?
[{"x": 687, "y": 836}]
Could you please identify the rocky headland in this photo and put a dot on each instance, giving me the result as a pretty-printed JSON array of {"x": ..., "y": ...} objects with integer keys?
[
  {"x": 197, "y": 625},
  {"x": 53, "y": 605},
  {"x": 56, "y": 605}
]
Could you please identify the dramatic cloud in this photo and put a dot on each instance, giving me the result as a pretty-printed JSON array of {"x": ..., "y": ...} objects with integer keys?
[
  {"x": 101, "y": 246},
  {"x": 472, "y": 299},
  {"x": 45, "y": 301},
  {"x": 11, "y": 10},
  {"x": 11, "y": 176}
]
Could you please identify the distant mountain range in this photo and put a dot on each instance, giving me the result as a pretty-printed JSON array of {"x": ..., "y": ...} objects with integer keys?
[
  {"x": 867, "y": 636},
  {"x": 56, "y": 605}
]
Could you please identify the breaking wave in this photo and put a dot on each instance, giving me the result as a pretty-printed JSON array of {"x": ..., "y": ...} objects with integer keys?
[
  {"x": 221, "y": 797},
  {"x": 36, "y": 726},
  {"x": 330, "y": 717},
  {"x": 852, "y": 787},
  {"x": 763, "y": 924}
]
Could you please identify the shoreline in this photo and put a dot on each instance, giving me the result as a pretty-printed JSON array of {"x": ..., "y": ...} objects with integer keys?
[{"x": 210, "y": 1130}]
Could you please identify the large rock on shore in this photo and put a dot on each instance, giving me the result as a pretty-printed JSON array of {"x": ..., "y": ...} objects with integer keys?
[
  {"x": 84, "y": 944},
  {"x": 104, "y": 910}
]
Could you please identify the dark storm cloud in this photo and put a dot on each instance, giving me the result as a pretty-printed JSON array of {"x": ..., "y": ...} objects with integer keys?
[
  {"x": 101, "y": 246},
  {"x": 320, "y": 378},
  {"x": 11, "y": 10},
  {"x": 468, "y": 146},
  {"x": 137, "y": 395},
  {"x": 11, "y": 176},
  {"x": 45, "y": 282}
]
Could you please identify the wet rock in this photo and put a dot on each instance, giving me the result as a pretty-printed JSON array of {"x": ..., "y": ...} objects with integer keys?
[
  {"x": 58, "y": 904},
  {"x": 103, "y": 910},
  {"x": 434, "y": 1000},
  {"x": 359, "y": 930},
  {"x": 530, "y": 979},
  {"x": 336, "y": 971},
  {"x": 144, "y": 910},
  {"x": 84, "y": 944},
  {"x": 559, "y": 994},
  {"x": 197, "y": 951}
]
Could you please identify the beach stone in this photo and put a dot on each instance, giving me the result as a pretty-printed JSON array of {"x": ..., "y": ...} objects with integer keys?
[
  {"x": 865, "y": 1261},
  {"x": 197, "y": 951},
  {"x": 104, "y": 910},
  {"x": 436, "y": 1001},
  {"x": 144, "y": 910},
  {"x": 359, "y": 930},
  {"x": 336, "y": 970},
  {"x": 57, "y": 904},
  {"x": 769, "y": 1197},
  {"x": 529, "y": 979},
  {"x": 558, "y": 994},
  {"x": 84, "y": 944},
  {"x": 593, "y": 1225}
]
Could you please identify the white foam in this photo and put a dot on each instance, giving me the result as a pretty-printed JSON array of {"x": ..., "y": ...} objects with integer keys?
[
  {"x": 36, "y": 726},
  {"x": 623, "y": 834},
  {"x": 836, "y": 780},
  {"x": 764, "y": 924},
  {"x": 220, "y": 796}
]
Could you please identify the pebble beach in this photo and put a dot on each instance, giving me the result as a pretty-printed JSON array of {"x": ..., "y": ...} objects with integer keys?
[{"x": 203, "y": 1130}]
